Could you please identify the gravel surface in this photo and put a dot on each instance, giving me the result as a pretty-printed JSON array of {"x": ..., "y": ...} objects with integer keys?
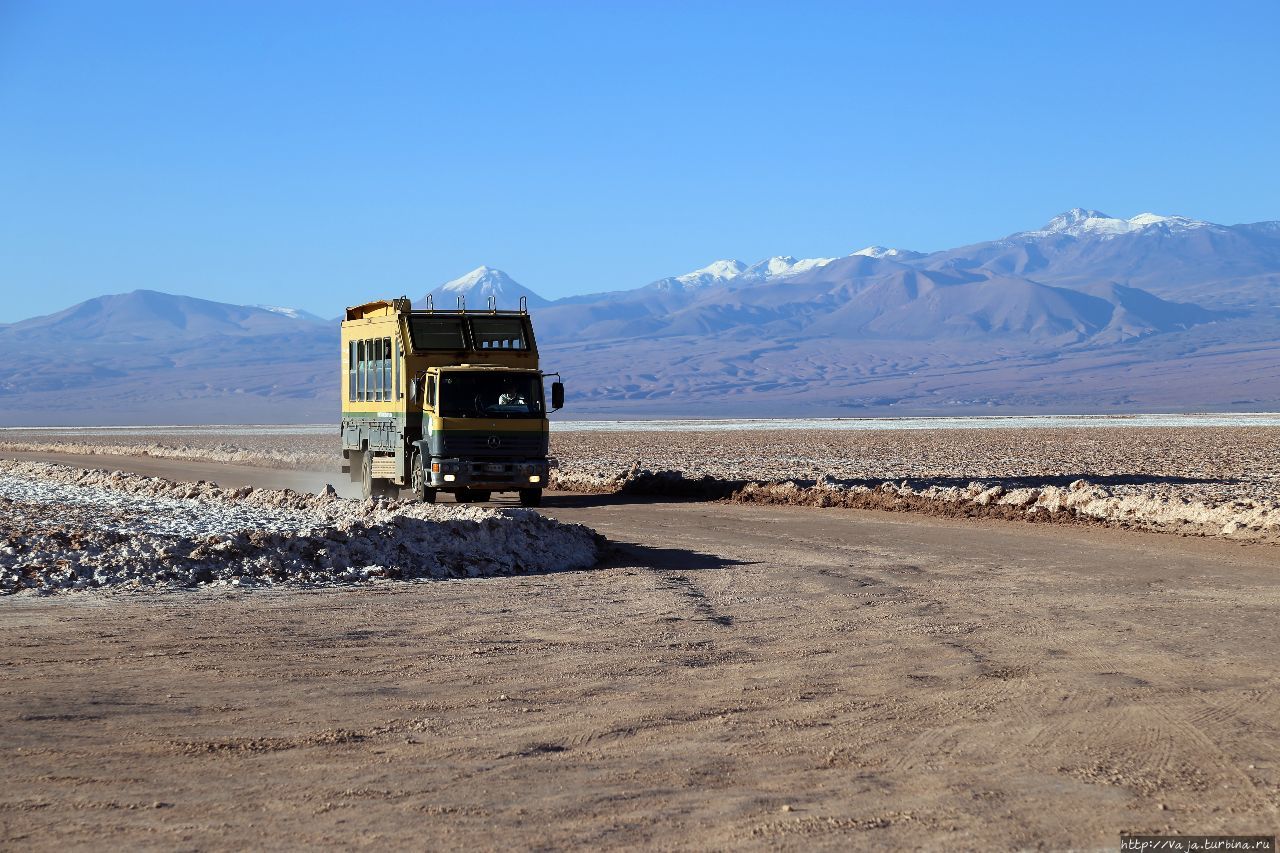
[
  {"x": 732, "y": 677},
  {"x": 71, "y": 529}
]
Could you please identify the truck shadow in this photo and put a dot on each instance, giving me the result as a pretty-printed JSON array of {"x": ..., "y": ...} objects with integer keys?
[
  {"x": 633, "y": 555},
  {"x": 580, "y": 500},
  {"x": 588, "y": 500}
]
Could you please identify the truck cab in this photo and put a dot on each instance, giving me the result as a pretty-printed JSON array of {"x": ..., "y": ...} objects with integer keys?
[{"x": 444, "y": 401}]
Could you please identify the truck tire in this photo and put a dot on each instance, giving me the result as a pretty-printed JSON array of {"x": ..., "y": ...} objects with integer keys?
[
  {"x": 531, "y": 497},
  {"x": 366, "y": 474},
  {"x": 370, "y": 487},
  {"x": 421, "y": 490}
]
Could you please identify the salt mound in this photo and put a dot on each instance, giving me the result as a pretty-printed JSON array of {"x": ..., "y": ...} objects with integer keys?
[
  {"x": 66, "y": 528},
  {"x": 1080, "y": 501}
]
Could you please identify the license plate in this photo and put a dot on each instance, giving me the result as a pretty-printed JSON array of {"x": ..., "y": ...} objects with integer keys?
[{"x": 493, "y": 468}]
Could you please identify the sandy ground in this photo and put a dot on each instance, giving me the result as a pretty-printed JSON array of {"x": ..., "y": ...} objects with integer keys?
[{"x": 732, "y": 676}]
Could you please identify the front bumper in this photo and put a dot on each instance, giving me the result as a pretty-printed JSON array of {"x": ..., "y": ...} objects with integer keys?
[{"x": 492, "y": 474}]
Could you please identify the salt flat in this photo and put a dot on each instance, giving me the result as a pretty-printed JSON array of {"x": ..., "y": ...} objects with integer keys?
[{"x": 1204, "y": 475}]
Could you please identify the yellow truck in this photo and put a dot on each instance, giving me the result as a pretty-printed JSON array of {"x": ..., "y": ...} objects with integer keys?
[{"x": 444, "y": 401}]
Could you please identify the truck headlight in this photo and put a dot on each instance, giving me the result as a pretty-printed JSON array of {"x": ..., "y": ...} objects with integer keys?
[
  {"x": 535, "y": 479},
  {"x": 449, "y": 478}
]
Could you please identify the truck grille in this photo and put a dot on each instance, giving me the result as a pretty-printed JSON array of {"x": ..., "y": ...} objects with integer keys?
[{"x": 477, "y": 444}]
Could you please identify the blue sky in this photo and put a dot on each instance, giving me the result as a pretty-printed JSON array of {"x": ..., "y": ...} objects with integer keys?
[{"x": 317, "y": 154}]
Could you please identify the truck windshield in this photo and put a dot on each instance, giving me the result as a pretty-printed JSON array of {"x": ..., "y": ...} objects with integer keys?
[{"x": 486, "y": 394}]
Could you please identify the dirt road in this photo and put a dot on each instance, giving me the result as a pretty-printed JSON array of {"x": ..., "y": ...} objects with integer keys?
[{"x": 735, "y": 676}]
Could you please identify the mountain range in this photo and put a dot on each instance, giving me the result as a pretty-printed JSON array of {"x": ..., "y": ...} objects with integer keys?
[{"x": 1089, "y": 313}]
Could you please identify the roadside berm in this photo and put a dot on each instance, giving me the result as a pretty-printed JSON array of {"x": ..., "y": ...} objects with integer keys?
[{"x": 1077, "y": 502}]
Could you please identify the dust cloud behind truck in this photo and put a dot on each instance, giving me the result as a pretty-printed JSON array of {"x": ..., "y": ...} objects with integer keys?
[{"x": 444, "y": 401}]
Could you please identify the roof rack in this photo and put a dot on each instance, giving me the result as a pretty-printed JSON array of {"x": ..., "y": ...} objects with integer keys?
[
  {"x": 492, "y": 307},
  {"x": 404, "y": 304}
]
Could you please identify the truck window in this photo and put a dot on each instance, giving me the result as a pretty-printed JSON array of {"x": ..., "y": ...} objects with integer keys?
[
  {"x": 360, "y": 370},
  {"x": 367, "y": 366},
  {"x": 465, "y": 394},
  {"x": 380, "y": 380},
  {"x": 499, "y": 333},
  {"x": 386, "y": 370},
  {"x": 351, "y": 371},
  {"x": 428, "y": 333}
]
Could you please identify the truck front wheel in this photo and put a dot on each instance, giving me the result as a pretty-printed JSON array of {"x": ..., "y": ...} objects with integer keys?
[
  {"x": 531, "y": 497},
  {"x": 421, "y": 490}
]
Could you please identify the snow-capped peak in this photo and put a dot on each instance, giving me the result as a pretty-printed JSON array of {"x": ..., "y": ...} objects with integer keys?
[
  {"x": 1079, "y": 222},
  {"x": 481, "y": 283},
  {"x": 1078, "y": 217},
  {"x": 486, "y": 278},
  {"x": 783, "y": 266},
  {"x": 1142, "y": 220},
  {"x": 882, "y": 252},
  {"x": 721, "y": 270},
  {"x": 291, "y": 313}
]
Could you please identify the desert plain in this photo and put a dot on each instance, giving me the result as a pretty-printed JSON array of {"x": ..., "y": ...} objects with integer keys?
[{"x": 970, "y": 639}]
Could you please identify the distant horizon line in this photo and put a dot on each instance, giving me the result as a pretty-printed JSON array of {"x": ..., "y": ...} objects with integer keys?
[
  {"x": 486, "y": 266},
  {"x": 1127, "y": 419}
]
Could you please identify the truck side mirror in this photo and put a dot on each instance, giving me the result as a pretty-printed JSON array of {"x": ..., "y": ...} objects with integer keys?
[
  {"x": 557, "y": 395},
  {"x": 413, "y": 391}
]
